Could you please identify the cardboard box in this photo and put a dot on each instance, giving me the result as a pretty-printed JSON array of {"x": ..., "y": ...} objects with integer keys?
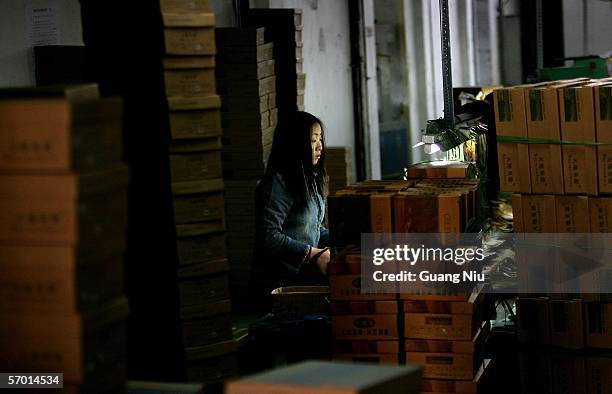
[
  {"x": 367, "y": 358},
  {"x": 212, "y": 288},
  {"x": 194, "y": 103},
  {"x": 204, "y": 331},
  {"x": 195, "y": 145},
  {"x": 598, "y": 325},
  {"x": 444, "y": 366},
  {"x": 604, "y": 168},
  {"x": 199, "y": 207},
  {"x": 247, "y": 71},
  {"x": 542, "y": 113},
  {"x": 533, "y": 320},
  {"x": 345, "y": 283},
  {"x": 239, "y": 120},
  {"x": 365, "y": 327},
  {"x": 194, "y": 187},
  {"x": 195, "y": 166},
  {"x": 332, "y": 378},
  {"x": 577, "y": 119},
  {"x": 603, "y": 125},
  {"x": 64, "y": 136},
  {"x": 190, "y": 41},
  {"x": 185, "y": 6},
  {"x": 572, "y": 214},
  {"x": 239, "y": 36},
  {"x": 364, "y": 308},
  {"x": 517, "y": 213},
  {"x": 567, "y": 324},
  {"x": 440, "y": 169},
  {"x": 245, "y": 54},
  {"x": 603, "y": 112},
  {"x": 513, "y": 159},
  {"x": 195, "y": 124},
  {"x": 248, "y": 104},
  {"x": 599, "y": 375},
  {"x": 255, "y": 87},
  {"x": 439, "y": 326},
  {"x": 366, "y": 347},
  {"x": 539, "y": 214},
  {"x": 426, "y": 213},
  {"x": 459, "y": 386},
  {"x": 63, "y": 221},
  {"x": 190, "y": 82},
  {"x": 58, "y": 280},
  {"x": 201, "y": 248},
  {"x": 82, "y": 346},
  {"x": 195, "y": 229},
  {"x": 568, "y": 374},
  {"x": 192, "y": 19},
  {"x": 188, "y": 62},
  {"x": 206, "y": 309},
  {"x": 535, "y": 372}
]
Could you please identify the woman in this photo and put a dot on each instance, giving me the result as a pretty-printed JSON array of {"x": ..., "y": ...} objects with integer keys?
[{"x": 290, "y": 240}]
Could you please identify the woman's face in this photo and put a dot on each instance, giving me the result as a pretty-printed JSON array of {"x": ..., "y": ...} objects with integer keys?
[{"x": 316, "y": 142}]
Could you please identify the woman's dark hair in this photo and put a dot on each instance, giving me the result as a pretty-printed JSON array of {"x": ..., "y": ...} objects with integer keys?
[{"x": 291, "y": 156}]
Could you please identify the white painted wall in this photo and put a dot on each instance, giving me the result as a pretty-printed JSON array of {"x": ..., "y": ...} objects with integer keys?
[
  {"x": 598, "y": 27},
  {"x": 326, "y": 51},
  {"x": 16, "y": 64}
]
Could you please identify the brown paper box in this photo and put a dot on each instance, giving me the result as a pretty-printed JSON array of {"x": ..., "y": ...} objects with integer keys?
[
  {"x": 199, "y": 207},
  {"x": 365, "y": 327},
  {"x": 517, "y": 212},
  {"x": 190, "y": 41},
  {"x": 604, "y": 168},
  {"x": 572, "y": 214},
  {"x": 211, "y": 288},
  {"x": 533, "y": 324},
  {"x": 348, "y": 288},
  {"x": 245, "y": 54},
  {"x": 568, "y": 374},
  {"x": 189, "y": 62},
  {"x": 542, "y": 113},
  {"x": 201, "y": 248},
  {"x": 365, "y": 347},
  {"x": 444, "y": 366},
  {"x": 192, "y": 19},
  {"x": 599, "y": 375},
  {"x": 577, "y": 117},
  {"x": 239, "y": 36},
  {"x": 195, "y": 124},
  {"x": 80, "y": 136},
  {"x": 539, "y": 214},
  {"x": 195, "y": 229},
  {"x": 81, "y": 346},
  {"x": 195, "y": 166},
  {"x": 599, "y": 325},
  {"x": 199, "y": 332},
  {"x": 367, "y": 358},
  {"x": 185, "y": 6},
  {"x": 191, "y": 82},
  {"x": 600, "y": 215},
  {"x": 194, "y": 103},
  {"x": 53, "y": 280},
  {"x": 567, "y": 324},
  {"x": 439, "y": 326},
  {"x": 513, "y": 159},
  {"x": 364, "y": 307}
]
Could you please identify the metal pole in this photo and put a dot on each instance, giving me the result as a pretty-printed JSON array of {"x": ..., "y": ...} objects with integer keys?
[{"x": 447, "y": 76}]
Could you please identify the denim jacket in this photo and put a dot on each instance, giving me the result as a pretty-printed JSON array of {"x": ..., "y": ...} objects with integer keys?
[{"x": 283, "y": 232}]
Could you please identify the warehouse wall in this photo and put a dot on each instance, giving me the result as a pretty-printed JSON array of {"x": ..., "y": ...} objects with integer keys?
[
  {"x": 329, "y": 92},
  {"x": 58, "y": 22},
  {"x": 595, "y": 39}
]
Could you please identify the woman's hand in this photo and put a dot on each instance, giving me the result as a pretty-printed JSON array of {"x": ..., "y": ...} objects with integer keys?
[{"x": 323, "y": 259}]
